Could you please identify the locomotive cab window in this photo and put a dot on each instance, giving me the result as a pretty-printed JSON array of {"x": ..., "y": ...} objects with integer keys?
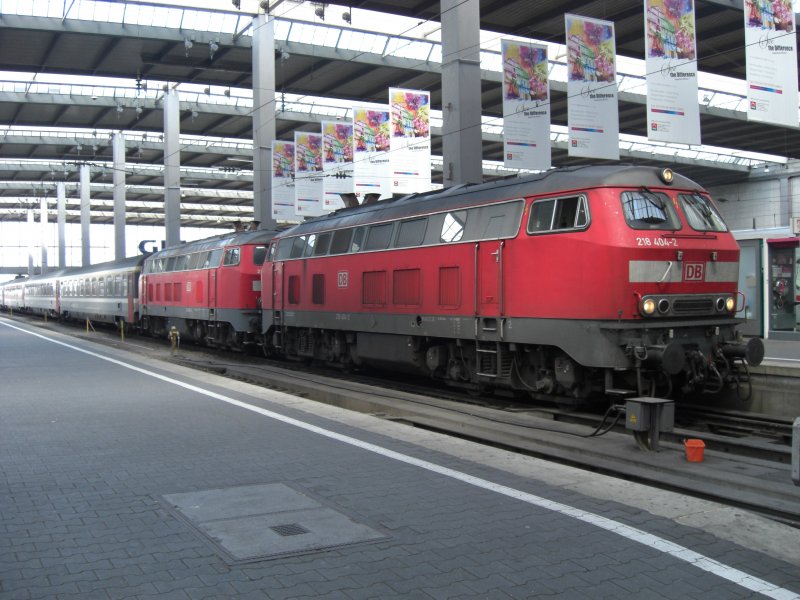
[
  {"x": 558, "y": 214},
  {"x": 259, "y": 254},
  {"x": 644, "y": 209},
  {"x": 232, "y": 257},
  {"x": 701, "y": 214}
]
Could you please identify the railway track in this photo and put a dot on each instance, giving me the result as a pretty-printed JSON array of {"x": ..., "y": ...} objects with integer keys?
[{"x": 747, "y": 456}]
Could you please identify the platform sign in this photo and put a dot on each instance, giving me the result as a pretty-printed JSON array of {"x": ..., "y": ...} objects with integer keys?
[{"x": 592, "y": 105}]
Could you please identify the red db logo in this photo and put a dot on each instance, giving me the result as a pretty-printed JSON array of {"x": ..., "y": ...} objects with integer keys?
[{"x": 693, "y": 272}]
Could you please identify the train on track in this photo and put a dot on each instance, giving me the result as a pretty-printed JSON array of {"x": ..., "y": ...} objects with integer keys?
[{"x": 573, "y": 283}]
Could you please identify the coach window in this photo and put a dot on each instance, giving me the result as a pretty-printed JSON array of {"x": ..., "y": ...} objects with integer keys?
[
  {"x": 379, "y": 237},
  {"x": 341, "y": 241},
  {"x": 453, "y": 227},
  {"x": 644, "y": 209},
  {"x": 259, "y": 254},
  {"x": 181, "y": 262},
  {"x": 411, "y": 233}
]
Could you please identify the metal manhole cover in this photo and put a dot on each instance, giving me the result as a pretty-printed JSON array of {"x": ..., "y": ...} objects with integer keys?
[{"x": 260, "y": 522}]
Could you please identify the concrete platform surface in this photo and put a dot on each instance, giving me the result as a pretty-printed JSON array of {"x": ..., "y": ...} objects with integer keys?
[{"x": 124, "y": 477}]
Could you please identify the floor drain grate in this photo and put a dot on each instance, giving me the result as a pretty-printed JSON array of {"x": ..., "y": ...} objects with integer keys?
[{"x": 291, "y": 529}]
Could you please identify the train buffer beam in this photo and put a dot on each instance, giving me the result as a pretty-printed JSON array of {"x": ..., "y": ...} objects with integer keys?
[
  {"x": 796, "y": 451},
  {"x": 647, "y": 418}
]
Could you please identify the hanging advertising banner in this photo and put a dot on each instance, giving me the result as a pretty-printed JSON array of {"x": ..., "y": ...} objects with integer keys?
[
  {"x": 308, "y": 174},
  {"x": 526, "y": 106},
  {"x": 673, "y": 113},
  {"x": 592, "y": 107},
  {"x": 410, "y": 141},
  {"x": 771, "y": 55},
  {"x": 283, "y": 181},
  {"x": 337, "y": 163},
  {"x": 372, "y": 171}
]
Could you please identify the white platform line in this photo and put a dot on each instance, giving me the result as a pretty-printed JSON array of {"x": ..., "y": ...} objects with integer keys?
[{"x": 700, "y": 561}]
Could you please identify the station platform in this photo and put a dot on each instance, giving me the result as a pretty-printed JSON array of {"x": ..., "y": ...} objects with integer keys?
[{"x": 129, "y": 477}]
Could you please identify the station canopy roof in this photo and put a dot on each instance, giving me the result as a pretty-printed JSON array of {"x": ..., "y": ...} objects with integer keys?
[{"x": 72, "y": 73}]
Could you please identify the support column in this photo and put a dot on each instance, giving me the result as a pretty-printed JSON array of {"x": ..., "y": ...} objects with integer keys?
[
  {"x": 31, "y": 237},
  {"x": 172, "y": 168},
  {"x": 118, "y": 151},
  {"x": 61, "y": 195},
  {"x": 85, "y": 216},
  {"x": 263, "y": 118},
  {"x": 461, "y": 92},
  {"x": 43, "y": 236}
]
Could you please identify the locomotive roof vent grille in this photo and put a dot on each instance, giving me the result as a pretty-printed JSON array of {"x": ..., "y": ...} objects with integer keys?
[{"x": 693, "y": 306}]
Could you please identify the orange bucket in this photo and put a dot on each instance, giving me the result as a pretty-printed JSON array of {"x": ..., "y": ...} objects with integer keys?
[{"x": 694, "y": 450}]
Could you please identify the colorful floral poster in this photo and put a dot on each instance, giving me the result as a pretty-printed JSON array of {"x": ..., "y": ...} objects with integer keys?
[
  {"x": 308, "y": 174},
  {"x": 673, "y": 113},
  {"x": 526, "y": 106},
  {"x": 372, "y": 172},
  {"x": 283, "y": 181},
  {"x": 771, "y": 56},
  {"x": 410, "y": 142},
  {"x": 592, "y": 107},
  {"x": 337, "y": 163}
]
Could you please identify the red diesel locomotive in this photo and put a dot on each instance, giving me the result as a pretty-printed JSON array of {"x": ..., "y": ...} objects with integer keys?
[
  {"x": 210, "y": 290},
  {"x": 568, "y": 283}
]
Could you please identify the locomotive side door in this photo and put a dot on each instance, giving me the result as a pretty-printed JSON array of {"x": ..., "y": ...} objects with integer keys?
[
  {"x": 489, "y": 278},
  {"x": 212, "y": 292},
  {"x": 277, "y": 303}
]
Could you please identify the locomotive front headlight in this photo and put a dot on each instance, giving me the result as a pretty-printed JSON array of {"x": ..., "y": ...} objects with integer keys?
[
  {"x": 649, "y": 306},
  {"x": 730, "y": 304}
]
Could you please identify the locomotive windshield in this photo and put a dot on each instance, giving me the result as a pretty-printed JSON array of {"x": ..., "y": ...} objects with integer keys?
[
  {"x": 649, "y": 210},
  {"x": 701, "y": 214}
]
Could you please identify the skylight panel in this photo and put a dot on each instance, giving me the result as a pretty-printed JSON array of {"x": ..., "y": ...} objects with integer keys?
[{"x": 362, "y": 42}]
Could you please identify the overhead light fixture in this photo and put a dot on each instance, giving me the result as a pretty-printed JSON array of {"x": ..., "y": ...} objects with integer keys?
[
  {"x": 212, "y": 49},
  {"x": 187, "y": 44},
  {"x": 346, "y": 17},
  {"x": 320, "y": 12}
]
